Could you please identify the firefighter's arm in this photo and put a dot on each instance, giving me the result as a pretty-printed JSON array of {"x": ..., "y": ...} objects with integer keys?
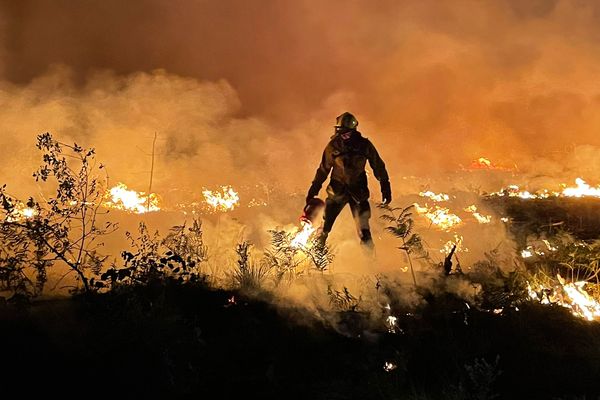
[
  {"x": 321, "y": 174},
  {"x": 378, "y": 167}
]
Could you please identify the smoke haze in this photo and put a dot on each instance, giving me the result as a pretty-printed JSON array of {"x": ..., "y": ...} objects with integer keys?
[
  {"x": 478, "y": 77},
  {"x": 246, "y": 93}
]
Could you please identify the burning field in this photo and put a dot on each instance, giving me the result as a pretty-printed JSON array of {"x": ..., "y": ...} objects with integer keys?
[
  {"x": 158, "y": 235},
  {"x": 477, "y": 261}
]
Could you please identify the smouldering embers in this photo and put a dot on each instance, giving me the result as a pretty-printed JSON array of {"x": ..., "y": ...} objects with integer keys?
[{"x": 570, "y": 295}]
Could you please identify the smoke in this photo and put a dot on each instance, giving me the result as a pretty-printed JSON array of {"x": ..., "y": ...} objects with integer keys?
[
  {"x": 245, "y": 94},
  {"x": 470, "y": 77}
]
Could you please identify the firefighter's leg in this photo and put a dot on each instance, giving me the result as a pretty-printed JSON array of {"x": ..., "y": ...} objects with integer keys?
[
  {"x": 333, "y": 207},
  {"x": 361, "y": 211}
]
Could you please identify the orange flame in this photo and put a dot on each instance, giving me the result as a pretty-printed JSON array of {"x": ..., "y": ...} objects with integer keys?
[
  {"x": 21, "y": 212},
  {"x": 440, "y": 217},
  {"x": 303, "y": 235},
  {"x": 122, "y": 198},
  {"x": 569, "y": 295},
  {"x": 224, "y": 200}
]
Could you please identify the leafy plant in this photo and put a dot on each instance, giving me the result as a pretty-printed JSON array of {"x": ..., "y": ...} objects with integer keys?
[
  {"x": 291, "y": 261},
  {"x": 343, "y": 300},
  {"x": 574, "y": 260},
  {"x": 188, "y": 242},
  {"x": 151, "y": 259},
  {"x": 249, "y": 275},
  {"x": 401, "y": 226},
  {"x": 64, "y": 229}
]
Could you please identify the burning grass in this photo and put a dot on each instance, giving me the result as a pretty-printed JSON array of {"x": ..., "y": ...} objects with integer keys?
[
  {"x": 388, "y": 332},
  {"x": 120, "y": 197},
  {"x": 222, "y": 200}
]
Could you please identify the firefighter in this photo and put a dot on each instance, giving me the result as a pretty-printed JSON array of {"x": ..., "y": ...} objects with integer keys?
[{"x": 345, "y": 156}]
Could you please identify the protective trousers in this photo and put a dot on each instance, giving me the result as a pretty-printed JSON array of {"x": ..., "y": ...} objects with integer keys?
[{"x": 361, "y": 211}]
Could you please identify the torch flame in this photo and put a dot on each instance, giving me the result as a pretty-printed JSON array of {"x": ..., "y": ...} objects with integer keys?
[
  {"x": 225, "y": 200},
  {"x": 122, "y": 198},
  {"x": 303, "y": 235}
]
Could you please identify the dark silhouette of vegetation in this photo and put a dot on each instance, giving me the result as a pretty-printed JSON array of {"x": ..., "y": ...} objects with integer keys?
[
  {"x": 401, "y": 227},
  {"x": 35, "y": 235},
  {"x": 177, "y": 257},
  {"x": 290, "y": 261}
]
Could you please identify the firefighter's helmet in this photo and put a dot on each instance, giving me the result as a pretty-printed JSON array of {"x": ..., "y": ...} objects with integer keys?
[{"x": 346, "y": 122}]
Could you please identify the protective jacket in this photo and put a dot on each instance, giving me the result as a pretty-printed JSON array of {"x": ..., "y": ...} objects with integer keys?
[{"x": 346, "y": 160}]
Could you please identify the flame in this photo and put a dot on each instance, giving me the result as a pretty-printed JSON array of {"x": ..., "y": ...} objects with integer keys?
[
  {"x": 569, "y": 295},
  {"x": 482, "y": 219},
  {"x": 458, "y": 241},
  {"x": 485, "y": 163},
  {"x": 537, "y": 250},
  {"x": 303, "y": 235},
  {"x": 482, "y": 162},
  {"x": 515, "y": 191},
  {"x": 582, "y": 189},
  {"x": 441, "y": 217},
  {"x": 122, "y": 198},
  {"x": 389, "y": 366},
  {"x": 21, "y": 212},
  {"x": 391, "y": 323},
  {"x": 526, "y": 253},
  {"x": 257, "y": 203},
  {"x": 224, "y": 200},
  {"x": 436, "y": 197}
]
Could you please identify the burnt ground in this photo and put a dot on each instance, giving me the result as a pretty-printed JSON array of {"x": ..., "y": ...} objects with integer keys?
[
  {"x": 578, "y": 216},
  {"x": 183, "y": 341}
]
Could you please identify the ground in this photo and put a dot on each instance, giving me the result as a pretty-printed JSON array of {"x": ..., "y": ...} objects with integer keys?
[{"x": 176, "y": 340}]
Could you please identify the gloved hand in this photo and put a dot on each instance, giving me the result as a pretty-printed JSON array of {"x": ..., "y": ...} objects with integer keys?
[
  {"x": 313, "y": 191},
  {"x": 386, "y": 192}
]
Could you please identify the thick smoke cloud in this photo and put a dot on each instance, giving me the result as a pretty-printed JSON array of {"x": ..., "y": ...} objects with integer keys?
[{"x": 437, "y": 83}]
